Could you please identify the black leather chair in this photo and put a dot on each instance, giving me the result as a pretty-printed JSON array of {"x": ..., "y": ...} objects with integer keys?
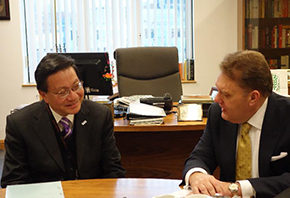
[{"x": 148, "y": 71}]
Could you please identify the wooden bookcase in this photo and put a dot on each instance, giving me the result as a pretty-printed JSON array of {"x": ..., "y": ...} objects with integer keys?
[{"x": 266, "y": 28}]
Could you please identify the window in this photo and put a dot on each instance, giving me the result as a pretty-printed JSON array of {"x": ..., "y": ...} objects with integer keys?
[{"x": 103, "y": 26}]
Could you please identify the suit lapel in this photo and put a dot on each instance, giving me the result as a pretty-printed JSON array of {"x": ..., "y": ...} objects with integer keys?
[
  {"x": 82, "y": 126},
  {"x": 271, "y": 129},
  {"x": 46, "y": 134},
  {"x": 228, "y": 148}
]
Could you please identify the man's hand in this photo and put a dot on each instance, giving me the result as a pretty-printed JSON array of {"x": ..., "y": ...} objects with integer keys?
[{"x": 207, "y": 184}]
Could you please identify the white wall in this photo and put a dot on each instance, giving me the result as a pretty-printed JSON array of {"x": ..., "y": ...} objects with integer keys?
[
  {"x": 215, "y": 36},
  {"x": 12, "y": 92}
]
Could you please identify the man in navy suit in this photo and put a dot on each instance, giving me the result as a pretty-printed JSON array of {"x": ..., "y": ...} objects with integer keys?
[
  {"x": 244, "y": 96},
  {"x": 37, "y": 148}
]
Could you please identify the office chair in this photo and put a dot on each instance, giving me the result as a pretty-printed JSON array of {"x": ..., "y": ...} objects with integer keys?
[{"x": 148, "y": 71}]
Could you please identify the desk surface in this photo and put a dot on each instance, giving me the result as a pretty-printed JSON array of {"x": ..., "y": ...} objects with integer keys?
[
  {"x": 116, "y": 188},
  {"x": 170, "y": 124},
  {"x": 157, "y": 151}
]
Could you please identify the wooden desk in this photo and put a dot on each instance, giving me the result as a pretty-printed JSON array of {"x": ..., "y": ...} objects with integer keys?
[
  {"x": 116, "y": 188},
  {"x": 170, "y": 124},
  {"x": 157, "y": 151}
]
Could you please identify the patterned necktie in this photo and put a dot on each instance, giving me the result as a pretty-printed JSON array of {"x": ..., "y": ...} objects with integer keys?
[
  {"x": 244, "y": 154},
  {"x": 66, "y": 128}
]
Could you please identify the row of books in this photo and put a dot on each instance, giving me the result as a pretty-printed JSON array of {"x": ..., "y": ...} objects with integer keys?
[
  {"x": 186, "y": 70},
  {"x": 279, "y": 63},
  {"x": 267, "y": 8},
  {"x": 276, "y": 37}
]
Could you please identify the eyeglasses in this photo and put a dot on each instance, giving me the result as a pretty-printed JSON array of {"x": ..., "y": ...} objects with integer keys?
[{"x": 64, "y": 92}]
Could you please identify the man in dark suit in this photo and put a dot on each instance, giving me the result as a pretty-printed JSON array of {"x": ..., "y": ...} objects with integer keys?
[
  {"x": 244, "y": 96},
  {"x": 62, "y": 137}
]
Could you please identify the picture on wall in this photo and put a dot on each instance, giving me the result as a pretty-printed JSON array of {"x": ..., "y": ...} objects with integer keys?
[{"x": 4, "y": 10}]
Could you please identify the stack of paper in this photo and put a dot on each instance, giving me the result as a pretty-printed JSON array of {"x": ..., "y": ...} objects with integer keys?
[
  {"x": 144, "y": 114},
  {"x": 148, "y": 121},
  {"x": 205, "y": 100},
  {"x": 196, "y": 99}
]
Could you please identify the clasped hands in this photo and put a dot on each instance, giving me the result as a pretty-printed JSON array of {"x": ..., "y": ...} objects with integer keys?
[{"x": 207, "y": 184}]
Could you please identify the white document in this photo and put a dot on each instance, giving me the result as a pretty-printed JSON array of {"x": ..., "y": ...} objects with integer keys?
[
  {"x": 146, "y": 110},
  {"x": 37, "y": 190}
]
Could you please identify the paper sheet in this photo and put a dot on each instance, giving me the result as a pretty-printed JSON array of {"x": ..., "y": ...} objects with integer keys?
[
  {"x": 182, "y": 194},
  {"x": 37, "y": 190}
]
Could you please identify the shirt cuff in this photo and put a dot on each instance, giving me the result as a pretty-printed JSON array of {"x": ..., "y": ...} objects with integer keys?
[
  {"x": 193, "y": 170},
  {"x": 247, "y": 188}
]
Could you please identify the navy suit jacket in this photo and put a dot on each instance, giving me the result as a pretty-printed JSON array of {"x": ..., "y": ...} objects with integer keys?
[
  {"x": 217, "y": 147},
  {"x": 33, "y": 153}
]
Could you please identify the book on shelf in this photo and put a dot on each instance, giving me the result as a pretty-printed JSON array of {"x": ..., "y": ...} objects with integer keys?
[
  {"x": 284, "y": 62},
  {"x": 190, "y": 69},
  {"x": 274, "y": 63},
  {"x": 285, "y": 4},
  {"x": 262, "y": 9},
  {"x": 249, "y": 36},
  {"x": 277, "y": 37},
  {"x": 288, "y": 8},
  {"x": 281, "y": 62},
  {"x": 255, "y": 37},
  {"x": 255, "y": 9},
  {"x": 267, "y": 8},
  {"x": 268, "y": 37},
  {"x": 181, "y": 71}
]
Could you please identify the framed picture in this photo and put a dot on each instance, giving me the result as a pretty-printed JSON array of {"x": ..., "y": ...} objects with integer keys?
[{"x": 4, "y": 10}]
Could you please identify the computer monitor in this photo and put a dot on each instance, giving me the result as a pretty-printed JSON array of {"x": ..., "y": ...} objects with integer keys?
[{"x": 92, "y": 66}]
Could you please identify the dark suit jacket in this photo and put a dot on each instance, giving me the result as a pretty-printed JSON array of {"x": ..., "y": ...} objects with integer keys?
[
  {"x": 284, "y": 194},
  {"x": 217, "y": 147},
  {"x": 33, "y": 153}
]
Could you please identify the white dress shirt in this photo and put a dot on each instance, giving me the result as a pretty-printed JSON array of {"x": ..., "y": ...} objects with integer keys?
[
  {"x": 58, "y": 117},
  {"x": 255, "y": 133}
]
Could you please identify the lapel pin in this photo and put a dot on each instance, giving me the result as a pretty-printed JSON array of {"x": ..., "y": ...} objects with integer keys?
[{"x": 84, "y": 122}]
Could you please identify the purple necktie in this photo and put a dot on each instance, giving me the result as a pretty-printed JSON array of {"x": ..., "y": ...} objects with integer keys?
[{"x": 66, "y": 129}]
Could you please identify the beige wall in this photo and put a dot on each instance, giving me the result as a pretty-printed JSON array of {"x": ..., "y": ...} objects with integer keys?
[{"x": 215, "y": 36}]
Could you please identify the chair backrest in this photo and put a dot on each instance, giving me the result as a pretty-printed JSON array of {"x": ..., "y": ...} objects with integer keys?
[{"x": 148, "y": 71}]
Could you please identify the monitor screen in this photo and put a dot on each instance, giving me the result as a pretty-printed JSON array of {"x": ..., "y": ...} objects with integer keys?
[{"x": 92, "y": 66}]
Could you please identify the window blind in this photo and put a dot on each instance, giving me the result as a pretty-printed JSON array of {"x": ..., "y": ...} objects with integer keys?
[{"x": 103, "y": 26}]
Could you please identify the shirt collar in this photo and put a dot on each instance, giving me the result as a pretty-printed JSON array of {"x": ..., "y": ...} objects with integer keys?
[
  {"x": 257, "y": 119},
  {"x": 58, "y": 117}
]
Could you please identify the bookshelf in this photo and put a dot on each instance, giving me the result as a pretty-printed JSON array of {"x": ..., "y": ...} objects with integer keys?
[{"x": 266, "y": 28}]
